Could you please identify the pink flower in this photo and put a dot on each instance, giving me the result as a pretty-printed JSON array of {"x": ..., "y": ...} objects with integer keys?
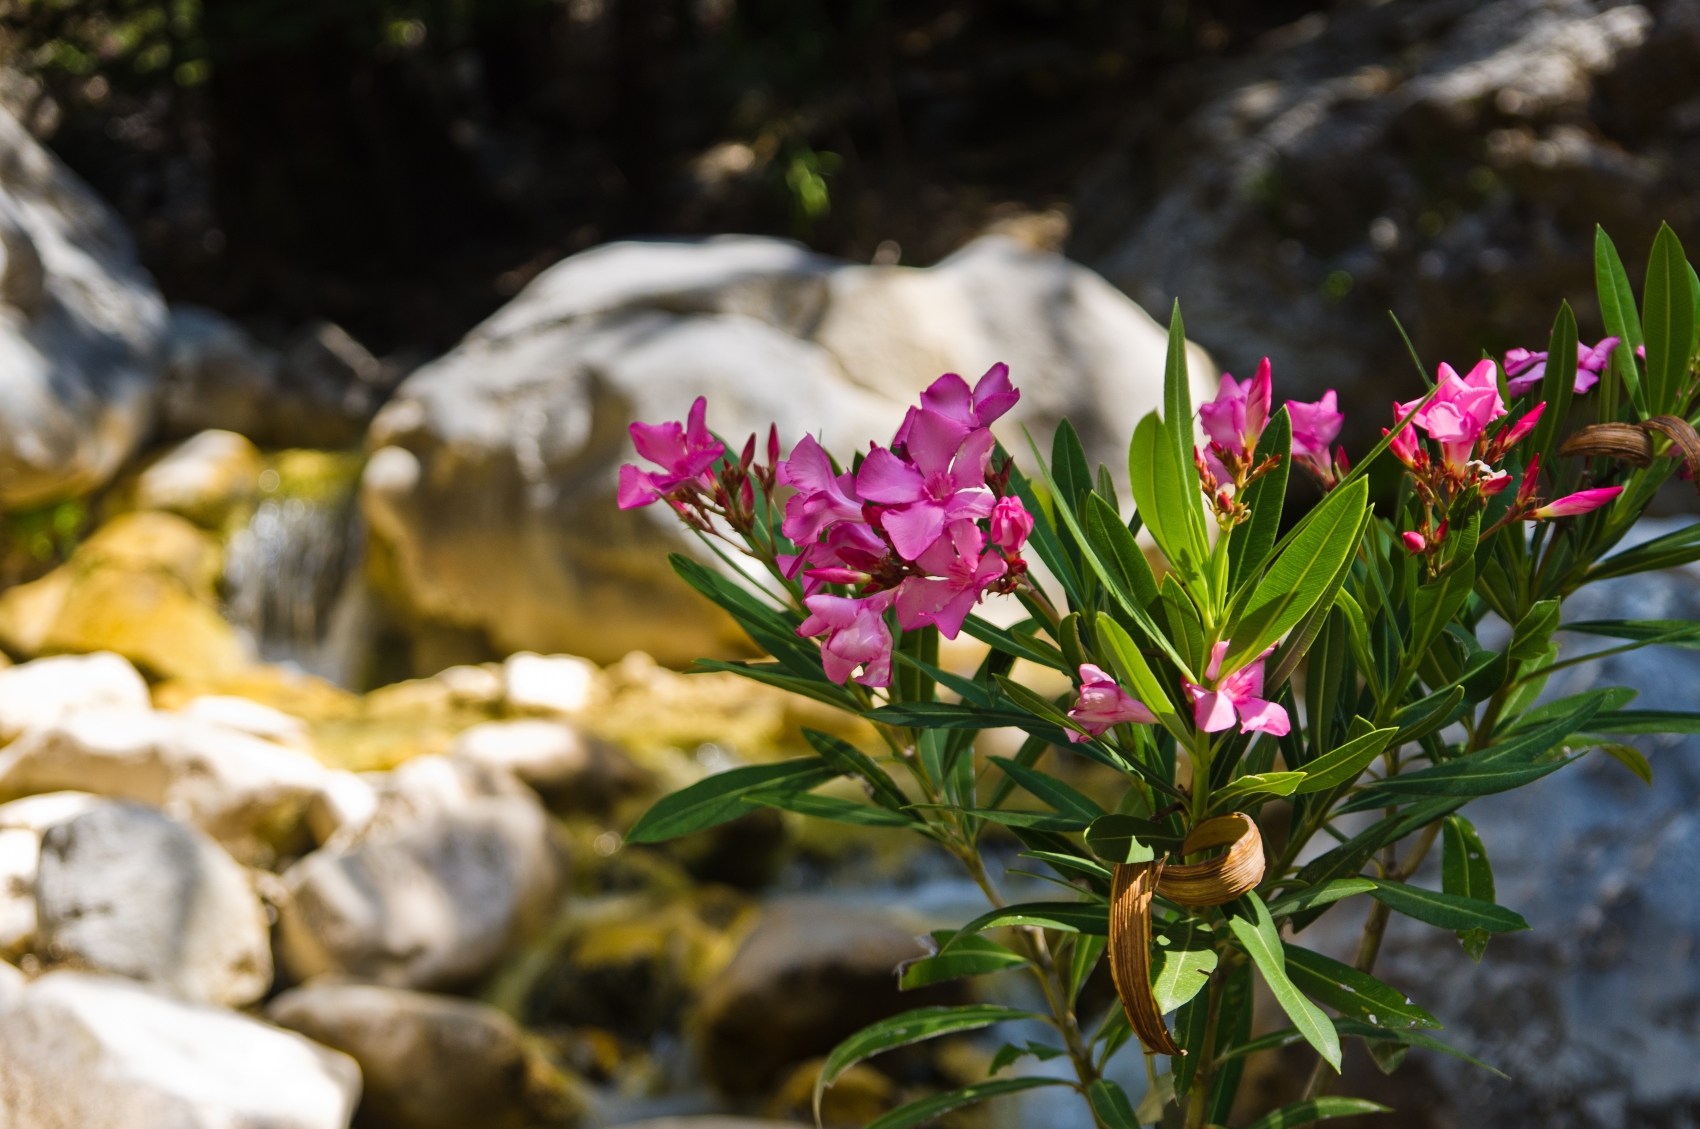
[
  {"x": 822, "y": 498},
  {"x": 960, "y": 572},
  {"x": 856, "y": 636},
  {"x": 1578, "y": 503},
  {"x": 1102, "y": 704},
  {"x": 942, "y": 481},
  {"x": 1494, "y": 483},
  {"x": 1460, "y": 411},
  {"x": 1011, "y": 525},
  {"x": 849, "y": 549},
  {"x": 949, "y": 397},
  {"x": 1404, "y": 445},
  {"x": 1415, "y": 542},
  {"x": 1237, "y": 416},
  {"x": 1239, "y": 695},
  {"x": 1525, "y": 370},
  {"x": 1315, "y": 426},
  {"x": 683, "y": 451}
]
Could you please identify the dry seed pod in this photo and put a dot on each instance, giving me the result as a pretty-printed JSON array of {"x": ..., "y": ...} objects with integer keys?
[{"x": 1209, "y": 883}]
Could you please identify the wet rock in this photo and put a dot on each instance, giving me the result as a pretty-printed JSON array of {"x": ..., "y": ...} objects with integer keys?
[
  {"x": 202, "y": 478},
  {"x": 22, "y": 824},
  {"x": 81, "y": 336},
  {"x": 811, "y": 974},
  {"x": 102, "y": 1052},
  {"x": 39, "y": 693},
  {"x": 122, "y": 889},
  {"x": 429, "y": 891},
  {"x": 1591, "y": 1012},
  {"x": 523, "y": 543},
  {"x": 142, "y": 586},
  {"x": 1447, "y": 161},
  {"x": 431, "y": 1062},
  {"x": 320, "y": 391},
  {"x": 249, "y": 794},
  {"x": 572, "y": 772}
]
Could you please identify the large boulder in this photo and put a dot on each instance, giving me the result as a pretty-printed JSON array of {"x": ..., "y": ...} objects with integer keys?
[
  {"x": 143, "y": 586},
  {"x": 202, "y": 478},
  {"x": 81, "y": 329},
  {"x": 490, "y": 491},
  {"x": 429, "y": 890},
  {"x": 22, "y": 825},
  {"x": 123, "y": 889},
  {"x": 1448, "y": 161},
  {"x": 249, "y": 794},
  {"x": 811, "y": 974},
  {"x": 431, "y": 1062},
  {"x": 39, "y": 693},
  {"x": 82, "y": 1051},
  {"x": 1588, "y": 1012}
]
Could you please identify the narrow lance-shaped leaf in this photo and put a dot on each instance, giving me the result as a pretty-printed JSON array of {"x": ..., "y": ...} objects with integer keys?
[
  {"x": 976, "y": 956},
  {"x": 1466, "y": 873},
  {"x": 1344, "y": 763},
  {"x": 1351, "y": 992},
  {"x": 1446, "y": 910},
  {"x": 1251, "y": 540},
  {"x": 723, "y": 797},
  {"x": 1617, "y": 310},
  {"x": 1558, "y": 382},
  {"x": 1667, "y": 320},
  {"x": 927, "y": 1109},
  {"x": 1049, "y": 789},
  {"x": 1316, "y": 1109},
  {"x": 1263, "y": 944},
  {"x": 903, "y": 1030}
]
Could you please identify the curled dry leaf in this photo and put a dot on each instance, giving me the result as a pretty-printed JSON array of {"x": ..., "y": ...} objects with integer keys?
[
  {"x": 1209, "y": 883},
  {"x": 1624, "y": 441},
  {"x": 1682, "y": 433}
]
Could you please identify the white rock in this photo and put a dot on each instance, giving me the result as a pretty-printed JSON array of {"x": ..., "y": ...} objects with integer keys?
[
  {"x": 532, "y": 549},
  {"x": 251, "y": 718},
  {"x": 201, "y": 477},
  {"x": 570, "y": 770},
  {"x": 243, "y": 791},
  {"x": 12, "y": 985},
  {"x": 430, "y": 892},
  {"x": 22, "y": 823},
  {"x": 549, "y": 683},
  {"x": 81, "y": 330},
  {"x": 345, "y": 803},
  {"x": 123, "y": 889},
  {"x": 39, "y": 693},
  {"x": 82, "y": 1051}
]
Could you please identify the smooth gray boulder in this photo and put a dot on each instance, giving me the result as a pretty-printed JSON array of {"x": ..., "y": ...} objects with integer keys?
[
  {"x": 431, "y": 1062},
  {"x": 490, "y": 491},
  {"x": 82, "y": 1051},
  {"x": 123, "y": 889},
  {"x": 81, "y": 331},
  {"x": 429, "y": 890}
]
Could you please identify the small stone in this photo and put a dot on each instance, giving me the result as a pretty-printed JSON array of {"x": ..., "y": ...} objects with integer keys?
[
  {"x": 571, "y": 771},
  {"x": 123, "y": 889},
  {"x": 202, "y": 478},
  {"x": 549, "y": 683},
  {"x": 39, "y": 693},
  {"x": 431, "y": 1062},
  {"x": 100, "y": 1052},
  {"x": 251, "y": 718}
]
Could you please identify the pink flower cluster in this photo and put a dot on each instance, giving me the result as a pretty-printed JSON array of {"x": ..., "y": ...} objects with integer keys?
[
  {"x": 1216, "y": 706},
  {"x": 905, "y": 528},
  {"x": 1234, "y": 422},
  {"x": 1524, "y": 370}
]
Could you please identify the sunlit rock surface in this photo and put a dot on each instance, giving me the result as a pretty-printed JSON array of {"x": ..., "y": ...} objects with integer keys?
[{"x": 490, "y": 490}]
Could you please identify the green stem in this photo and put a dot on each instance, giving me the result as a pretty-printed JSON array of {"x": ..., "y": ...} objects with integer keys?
[
  {"x": 1200, "y": 776},
  {"x": 1198, "y": 1101}
]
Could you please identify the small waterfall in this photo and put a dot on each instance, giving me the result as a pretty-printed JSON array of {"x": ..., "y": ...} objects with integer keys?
[{"x": 290, "y": 577}]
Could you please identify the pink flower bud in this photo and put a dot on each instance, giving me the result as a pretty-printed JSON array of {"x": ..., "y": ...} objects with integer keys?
[
  {"x": 1495, "y": 483},
  {"x": 1522, "y": 427},
  {"x": 1578, "y": 503},
  {"x": 1415, "y": 542},
  {"x": 1011, "y": 525}
]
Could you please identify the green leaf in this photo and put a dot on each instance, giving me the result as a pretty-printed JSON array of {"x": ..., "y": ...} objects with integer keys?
[
  {"x": 1110, "y": 1105},
  {"x": 1183, "y": 955},
  {"x": 1466, "y": 873},
  {"x": 851, "y": 761},
  {"x": 1251, "y": 541},
  {"x": 1446, "y": 910},
  {"x": 774, "y": 631},
  {"x": 1623, "y": 722},
  {"x": 944, "y": 715},
  {"x": 1322, "y": 894},
  {"x": 1159, "y": 495},
  {"x": 1264, "y": 784},
  {"x": 1065, "y": 917},
  {"x": 1009, "y": 1053},
  {"x": 1316, "y": 1109},
  {"x": 1049, "y": 789},
  {"x": 1117, "y": 548},
  {"x": 1351, "y": 992},
  {"x": 1300, "y": 575},
  {"x": 918, "y": 1113},
  {"x": 1672, "y": 550},
  {"x": 1368, "y": 1033},
  {"x": 723, "y": 797},
  {"x": 1617, "y": 310},
  {"x": 1150, "y": 1111},
  {"x": 835, "y": 808},
  {"x": 1345, "y": 763},
  {"x": 972, "y": 692},
  {"x": 1039, "y": 820},
  {"x": 1011, "y": 644},
  {"x": 903, "y": 1030},
  {"x": 1682, "y": 633},
  {"x": 1629, "y": 757},
  {"x": 1263, "y": 944},
  {"x": 1128, "y": 839},
  {"x": 1133, "y": 672},
  {"x": 975, "y": 956},
  {"x": 1534, "y": 631},
  {"x": 1556, "y": 386},
  {"x": 1177, "y": 412},
  {"x": 1071, "y": 864},
  {"x": 1667, "y": 320},
  {"x": 774, "y": 674},
  {"x": 1423, "y": 717},
  {"x": 1435, "y": 604}
]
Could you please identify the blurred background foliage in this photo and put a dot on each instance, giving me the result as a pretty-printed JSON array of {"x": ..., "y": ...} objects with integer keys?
[{"x": 403, "y": 168}]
